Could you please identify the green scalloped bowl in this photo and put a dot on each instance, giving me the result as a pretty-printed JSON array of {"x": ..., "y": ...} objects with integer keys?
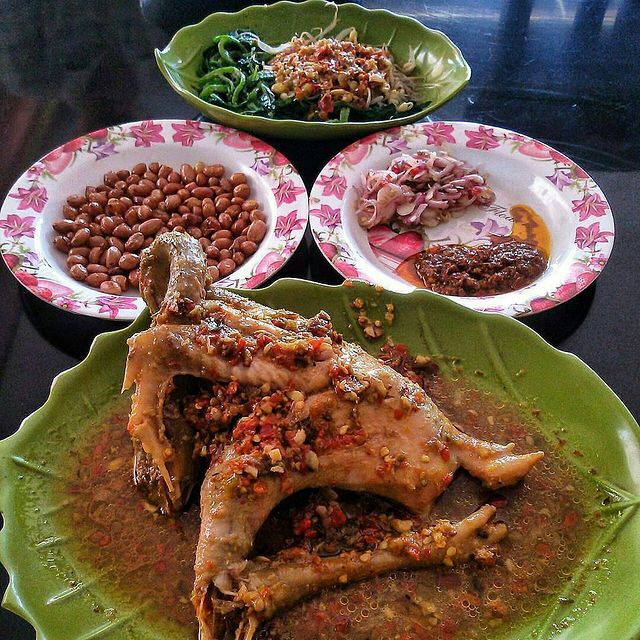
[
  {"x": 568, "y": 393},
  {"x": 436, "y": 56}
]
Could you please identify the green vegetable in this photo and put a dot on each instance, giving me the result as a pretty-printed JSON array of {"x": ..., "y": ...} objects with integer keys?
[{"x": 233, "y": 74}]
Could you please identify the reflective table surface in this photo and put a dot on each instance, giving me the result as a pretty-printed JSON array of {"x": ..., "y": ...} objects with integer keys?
[{"x": 566, "y": 72}]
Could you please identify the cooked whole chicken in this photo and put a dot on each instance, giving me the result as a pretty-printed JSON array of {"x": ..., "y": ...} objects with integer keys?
[{"x": 315, "y": 411}]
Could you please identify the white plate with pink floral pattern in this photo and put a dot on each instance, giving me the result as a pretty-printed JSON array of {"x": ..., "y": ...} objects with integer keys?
[
  {"x": 35, "y": 201},
  {"x": 564, "y": 199}
]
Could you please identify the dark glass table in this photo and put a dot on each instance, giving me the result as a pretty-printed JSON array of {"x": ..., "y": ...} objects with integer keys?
[{"x": 567, "y": 73}]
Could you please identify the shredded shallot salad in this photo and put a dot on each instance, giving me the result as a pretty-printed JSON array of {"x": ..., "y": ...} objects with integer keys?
[{"x": 423, "y": 189}]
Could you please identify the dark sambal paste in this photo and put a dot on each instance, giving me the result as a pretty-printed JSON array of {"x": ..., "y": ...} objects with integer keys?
[{"x": 461, "y": 270}]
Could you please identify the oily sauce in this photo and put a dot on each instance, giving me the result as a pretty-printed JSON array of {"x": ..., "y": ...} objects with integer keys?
[
  {"x": 507, "y": 263},
  {"x": 149, "y": 557}
]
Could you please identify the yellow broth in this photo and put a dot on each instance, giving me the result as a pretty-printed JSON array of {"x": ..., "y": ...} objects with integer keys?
[{"x": 149, "y": 557}]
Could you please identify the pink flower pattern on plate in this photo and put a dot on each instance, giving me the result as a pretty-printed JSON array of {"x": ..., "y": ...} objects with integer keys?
[
  {"x": 346, "y": 268},
  {"x": 16, "y": 227},
  {"x": 286, "y": 192},
  {"x": 35, "y": 171},
  {"x": 483, "y": 138},
  {"x": 485, "y": 228},
  {"x": 561, "y": 178},
  {"x": 356, "y": 153},
  {"x": 333, "y": 185},
  {"x": 57, "y": 161},
  {"x": 597, "y": 262},
  {"x": 398, "y": 145},
  {"x": 103, "y": 149},
  {"x": 113, "y": 304},
  {"x": 146, "y": 133},
  {"x": 591, "y": 204},
  {"x": 34, "y": 198},
  {"x": 67, "y": 303},
  {"x": 328, "y": 216},
  {"x": 267, "y": 266},
  {"x": 186, "y": 134},
  {"x": 438, "y": 133},
  {"x": 589, "y": 237},
  {"x": 286, "y": 224},
  {"x": 262, "y": 166},
  {"x": 534, "y": 149}
]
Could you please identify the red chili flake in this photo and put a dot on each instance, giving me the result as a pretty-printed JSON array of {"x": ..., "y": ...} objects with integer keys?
[
  {"x": 398, "y": 414},
  {"x": 259, "y": 488},
  {"x": 571, "y": 520},
  {"x": 578, "y": 454},
  {"x": 201, "y": 403},
  {"x": 232, "y": 388},
  {"x": 445, "y": 454},
  {"x": 100, "y": 538},
  {"x": 265, "y": 593},
  {"x": 446, "y": 481},
  {"x": 304, "y": 525},
  {"x": 342, "y": 626},
  {"x": 519, "y": 586},
  {"x": 263, "y": 340},
  {"x": 267, "y": 428},
  {"x": 498, "y": 501},
  {"x": 325, "y": 104},
  {"x": 413, "y": 551},
  {"x": 337, "y": 517},
  {"x": 160, "y": 566},
  {"x": 97, "y": 470},
  {"x": 74, "y": 488},
  {"x": 245, "y": 426},
  {"x": 448, "y": 626},
  {"x": 544, "y": 550}
]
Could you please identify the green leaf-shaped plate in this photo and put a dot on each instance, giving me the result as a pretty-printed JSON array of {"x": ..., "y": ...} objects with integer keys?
[
  {"x": 438, "y": 59},
  {"x": 65, "y": 599}
]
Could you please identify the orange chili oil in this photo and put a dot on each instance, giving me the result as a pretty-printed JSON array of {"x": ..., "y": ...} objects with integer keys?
[{"x": 149, "y": 557}]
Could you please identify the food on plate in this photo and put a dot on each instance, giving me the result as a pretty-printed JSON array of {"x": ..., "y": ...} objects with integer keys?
[
  {"x": 464, "y": 270},
  {"x": 233, "y": 74},
  {"x": 485, "y": 266},
  {"x": 311, "y": 77},
  {"x": 420, "y": 190},
  {"x": 104, "y": 231},
  {"x": 548, "y": 516},
  {"x": 294, "y": 407},
  {"x": 330, "y": 77}
]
